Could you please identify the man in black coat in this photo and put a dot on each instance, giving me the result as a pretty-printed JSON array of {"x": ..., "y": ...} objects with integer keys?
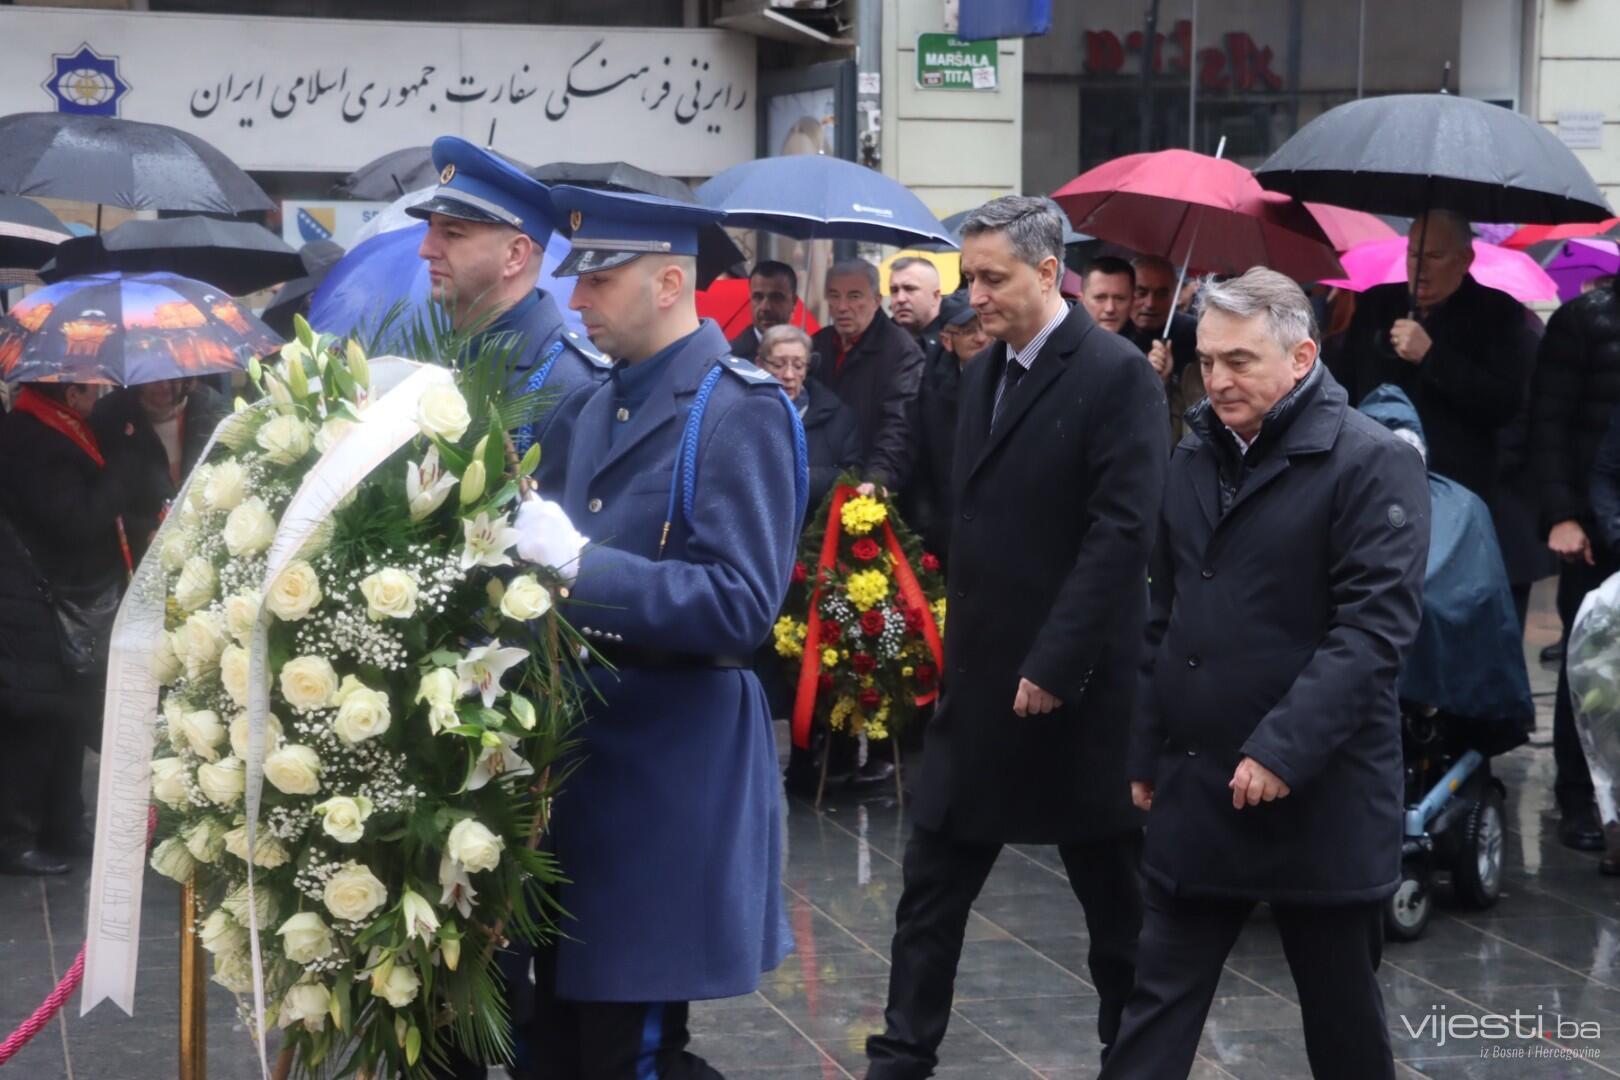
[
  {"x": 773, "y": 293},
  {"x": 1287, "y": 588},
  {"x": 1153, "y": 303},
  {"x": 1059, "y": 470},
  {"x": 63, "y": 505},
  {"x": 164, "y": 426},
  {"x": 1575, "y": 391},
  {"x": 926, "y": 500},
  {"x": 1463, "y": 361},
  {"x": 873, "y": 366}
]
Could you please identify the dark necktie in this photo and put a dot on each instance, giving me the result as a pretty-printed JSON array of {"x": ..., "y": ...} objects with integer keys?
[{"x": 1009, "y": 382}]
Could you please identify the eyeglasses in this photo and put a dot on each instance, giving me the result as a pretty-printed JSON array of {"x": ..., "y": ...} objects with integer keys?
[{"x": 796, "y": 365}]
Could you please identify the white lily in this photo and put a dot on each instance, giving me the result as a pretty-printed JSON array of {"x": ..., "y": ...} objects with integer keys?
[
  {"x": 499, "y": 758},
  {"x": 488, "y": 541},
  {"x": 427, "y": 485},
  {"x": 481, "y": 669},
  {"x": 420, "y": 920},
  {"x": 458, "y": 886}
]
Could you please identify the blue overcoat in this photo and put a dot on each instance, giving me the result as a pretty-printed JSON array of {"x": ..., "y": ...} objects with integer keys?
[
  {"x": 670, "y": 830},
  {"x": 566, "y": 369}
]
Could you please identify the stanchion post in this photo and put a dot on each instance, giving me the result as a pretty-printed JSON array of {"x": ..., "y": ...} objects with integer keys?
[{"x": 193, "y": 992}]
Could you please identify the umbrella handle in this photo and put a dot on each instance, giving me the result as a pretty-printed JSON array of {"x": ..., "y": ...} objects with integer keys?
[{"x": 1181, "y": 278}]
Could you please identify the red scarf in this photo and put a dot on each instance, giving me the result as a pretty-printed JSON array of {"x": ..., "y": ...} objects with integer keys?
[{"x": 64, "y": 421}]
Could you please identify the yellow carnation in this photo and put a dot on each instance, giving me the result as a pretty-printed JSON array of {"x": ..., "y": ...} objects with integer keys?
[
  {"x": 862, "y": 514},
  {"x": 867, "y": 588},
  {"x": 841, "y": 710},
  {"x": 939, "y": 614},
  {"x": 829, "y": 658},
  {"x": 789, "y": 637}
]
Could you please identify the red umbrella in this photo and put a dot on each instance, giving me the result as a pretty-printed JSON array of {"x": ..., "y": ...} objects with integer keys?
[
  {"x": 1174, "y": 202},
  {"x": 1349, "y": 228},
  {"x": 1530, "y": 235},
  {"x": 726, "y": 302}
]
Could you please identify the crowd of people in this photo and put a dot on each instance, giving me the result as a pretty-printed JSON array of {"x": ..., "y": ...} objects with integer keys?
[{"x": 1183, "y": 571}]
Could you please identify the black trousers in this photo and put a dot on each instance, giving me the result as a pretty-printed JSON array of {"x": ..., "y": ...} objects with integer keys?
[
  {"x": 42, "y": 774},
  {"x": 1572, "y": 782},
  {"x": 1333, "y": 954},
  {"x": 943, "y": 877}
]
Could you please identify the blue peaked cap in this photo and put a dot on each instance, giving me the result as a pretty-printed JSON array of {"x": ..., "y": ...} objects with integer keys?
[
  {"x": 610, "y": 228},
  {"x": 477, "y": 185}
]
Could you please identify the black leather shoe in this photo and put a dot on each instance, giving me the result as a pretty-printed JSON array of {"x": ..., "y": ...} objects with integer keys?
[
  {"x": 872, "y": 774},
  {"x": 1581, "y": 830},
  {"x": 79, "y": 845},
  {"x": 31, "y": 864},
  {"x": 1553, "y": 653}
]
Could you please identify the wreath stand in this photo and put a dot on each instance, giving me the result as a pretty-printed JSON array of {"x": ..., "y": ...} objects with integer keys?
[{"x": 826, "y": 756}]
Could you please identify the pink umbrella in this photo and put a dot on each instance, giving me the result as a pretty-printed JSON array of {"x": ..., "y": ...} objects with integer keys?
[
  {"x": 1349, "y": 228},
  {"x": 1383, "y": 262}
]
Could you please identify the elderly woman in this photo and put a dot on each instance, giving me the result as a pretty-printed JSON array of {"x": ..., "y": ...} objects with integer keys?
[{"x": 830, "y": 433}]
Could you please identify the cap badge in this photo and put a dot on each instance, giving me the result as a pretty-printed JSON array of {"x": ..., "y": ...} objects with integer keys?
[
  {"x": 448, "y": 174},
  {"x": 575, "y": 220}
]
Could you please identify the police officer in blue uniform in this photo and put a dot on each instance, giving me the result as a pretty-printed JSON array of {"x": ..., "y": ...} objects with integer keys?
[
  {"x": 488, "y": 224},
  {"x": 687, "y": 471}
]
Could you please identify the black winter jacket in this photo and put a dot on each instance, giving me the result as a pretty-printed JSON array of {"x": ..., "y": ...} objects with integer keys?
[
  {"x": 1576, "y": 389},
  {"x": 878, "y": 380}
]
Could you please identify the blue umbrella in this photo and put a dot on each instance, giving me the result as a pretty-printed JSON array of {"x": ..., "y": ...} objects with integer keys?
[
  {"x": 814, "y": 196},
  {"x": 385, "y": 271}
]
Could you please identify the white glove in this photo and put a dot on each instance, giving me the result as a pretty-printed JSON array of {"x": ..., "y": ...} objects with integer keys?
[{"x": 547, "y": 538}]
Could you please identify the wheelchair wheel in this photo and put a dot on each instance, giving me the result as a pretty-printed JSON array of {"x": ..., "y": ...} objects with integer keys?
[
  {"x": 1406, "y": 914},
  {"x": 1477, "y": 873}
]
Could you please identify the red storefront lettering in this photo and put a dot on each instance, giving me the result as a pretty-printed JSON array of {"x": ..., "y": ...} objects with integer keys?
[
  {"x": 1251, "y": 65},
  {"x": 1104, "y": 54}
]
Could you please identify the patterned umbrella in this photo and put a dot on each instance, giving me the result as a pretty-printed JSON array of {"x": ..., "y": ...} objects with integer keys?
[{"x": 127, "y": 329}]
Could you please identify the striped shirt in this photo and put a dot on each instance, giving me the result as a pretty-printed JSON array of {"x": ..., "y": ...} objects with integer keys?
[{"x": 1025, "y": 357}]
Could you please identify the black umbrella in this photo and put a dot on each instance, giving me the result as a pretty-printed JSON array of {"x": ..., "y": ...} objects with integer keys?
[
  {"x": 236, "y": 256},
  {"x": 1410, "y": 153},
  {"x": 717, "y": 253},
  {"x": 318, "y": 257},
  {"x": 105, "y": 160},
  {"x": 394, "y": 174},
  {"x": 29, "y": 233}
]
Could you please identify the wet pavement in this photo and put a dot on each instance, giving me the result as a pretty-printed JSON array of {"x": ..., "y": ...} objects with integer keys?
[{"x": 1550, "y": 951}]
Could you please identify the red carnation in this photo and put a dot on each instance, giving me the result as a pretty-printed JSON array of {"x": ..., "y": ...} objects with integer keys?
[
  {"x": 870, "y": 698},
  {"x": 824, "y": 683},
  {"x": 872, "y": 623},
  {"x": 862, "y": 663},
  {"x": 930, "y": 562},
  {"x": 914, "y": 619},
  {"x": 865, "y": 549},
  {"x": 800, "y": 574},
  {"x": 926, "y": 674},
  {"x": 830, "y": 632}
]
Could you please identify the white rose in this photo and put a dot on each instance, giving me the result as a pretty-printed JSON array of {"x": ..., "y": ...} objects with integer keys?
[
  {"x": 203, "y": 732},
  {"x": 226, "y": 486},
  {"x": 221, "y": 935},
  {"x": 222, "y": 782},
  {"x": 308, "y": 682},
  {"x": 172, "y": 860},
  {"x": 395, "y": 984},
  {"x": 199, "y": 481},
  {"x": 169, "y": 782},
  {"x": 440, "y": 688},
  {"x": 294, "y": 770},
  {"x": 525, "y": 598},
  {"x": 264, "y": 905},
  {"x": 177, "y": 548},
  {"x": 306, "y": 1003},
  {"x": 196, "y": 584},
  {"x": 305, "y": 938},
  {"x": 239, "y": 734},
  {"x": 353, "y": 893},
  {"x": 233, "y": 673},
  {"x": 166, "y": 665},
  {"x": 319, "y": 539},
  {"x": 268, "y": 851},
  {"x": 249, "y": 528},
  {"x": 241, "y": 612},
  {"x": 205, "y": 840},
  {"x": 284, "y": 440},
  {"x": 390, "y": 594},
  {"x": 172, "y": 708},
  {"x": 295, "y": 592},
  {"x": 442, "y": 411},
  {"x": 236, "y": 429},
  {"x": 234, "y": 971},
  {"x": 344, "y": 818},
  {"x": 474, "y": 846},
  {"x": 334, "y": 429},
  {"x": 362, "y": 715},
  {"x": 198, "y": 642}
]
